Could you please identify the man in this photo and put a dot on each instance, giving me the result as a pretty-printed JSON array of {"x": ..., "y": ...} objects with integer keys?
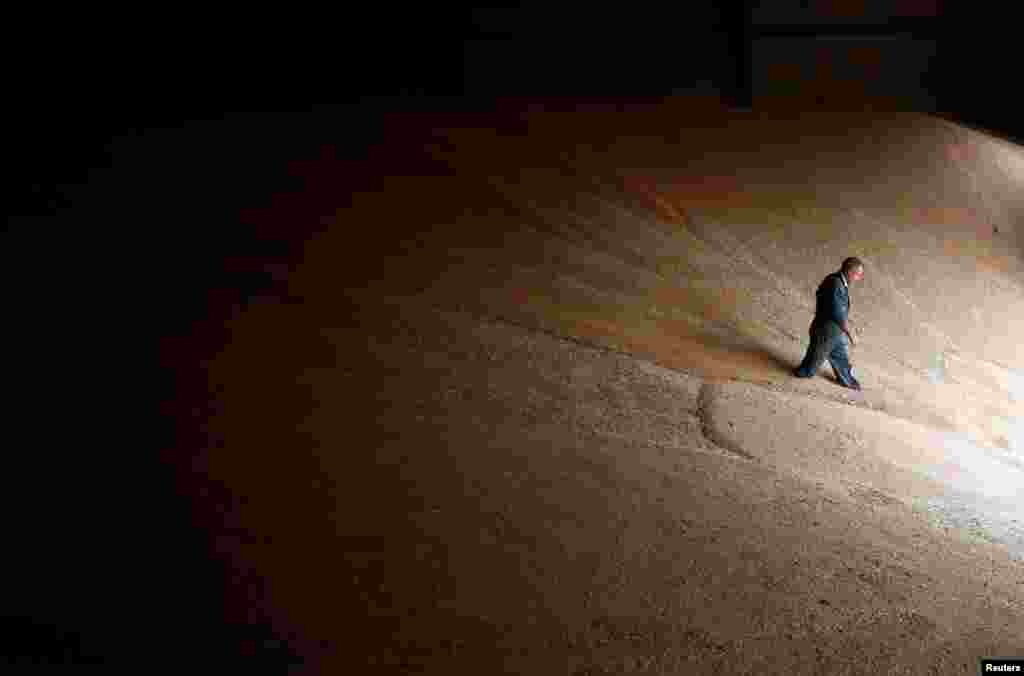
[{"x": 830, "y": 329}]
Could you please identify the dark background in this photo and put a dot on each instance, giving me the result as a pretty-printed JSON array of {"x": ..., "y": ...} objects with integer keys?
[{"x": 146, "y": 198}]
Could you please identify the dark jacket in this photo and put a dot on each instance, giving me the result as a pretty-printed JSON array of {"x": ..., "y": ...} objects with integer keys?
[{"x": 833, "y": 301}]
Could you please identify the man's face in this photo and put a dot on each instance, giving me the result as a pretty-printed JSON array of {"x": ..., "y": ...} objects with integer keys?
[{"x": 857, "y": 274}]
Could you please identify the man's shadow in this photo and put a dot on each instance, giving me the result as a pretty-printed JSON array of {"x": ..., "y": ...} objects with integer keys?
[{"x": 732, "y": 338}]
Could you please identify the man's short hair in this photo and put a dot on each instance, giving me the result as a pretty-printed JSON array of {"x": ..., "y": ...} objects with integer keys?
[{"x": 851, "y": 264}]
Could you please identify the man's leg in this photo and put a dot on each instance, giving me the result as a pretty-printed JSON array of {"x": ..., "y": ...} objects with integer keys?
[
  {"x": 817, "y": 353},
  {"x": 840, "y": 360}
]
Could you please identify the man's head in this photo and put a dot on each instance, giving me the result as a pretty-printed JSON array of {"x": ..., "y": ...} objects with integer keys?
[{"x": 853, "y": 269}]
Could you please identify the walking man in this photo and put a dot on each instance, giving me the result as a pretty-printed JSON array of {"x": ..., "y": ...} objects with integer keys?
[{"x": 830, "y": 333}]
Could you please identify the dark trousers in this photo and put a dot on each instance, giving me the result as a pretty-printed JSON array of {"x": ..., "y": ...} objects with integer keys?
[{"x": 828, "y": 342}]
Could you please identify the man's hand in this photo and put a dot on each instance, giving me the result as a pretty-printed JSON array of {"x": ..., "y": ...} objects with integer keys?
[{"x": 847, "y": 329}]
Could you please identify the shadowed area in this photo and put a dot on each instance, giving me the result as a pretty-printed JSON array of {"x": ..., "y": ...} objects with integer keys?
[{"x": 508, "y": 390}]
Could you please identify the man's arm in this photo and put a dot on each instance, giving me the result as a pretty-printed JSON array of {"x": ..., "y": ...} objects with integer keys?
[{"x": 840, "y": 308}]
